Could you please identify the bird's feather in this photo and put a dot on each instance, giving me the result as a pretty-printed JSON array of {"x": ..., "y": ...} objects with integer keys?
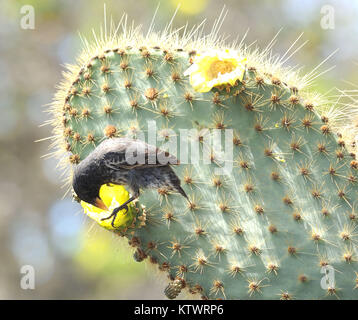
[{"x": 126, "y": 153}]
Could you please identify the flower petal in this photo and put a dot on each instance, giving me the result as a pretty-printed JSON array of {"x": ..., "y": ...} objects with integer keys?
[
  {"x": 216, "y": 68},
  {"x": 113, "y": 196}
]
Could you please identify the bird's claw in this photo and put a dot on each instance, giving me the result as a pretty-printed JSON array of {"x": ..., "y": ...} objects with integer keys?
[
  {"x": 114, "y": 213},
  {"x": 123, "y": 206}
]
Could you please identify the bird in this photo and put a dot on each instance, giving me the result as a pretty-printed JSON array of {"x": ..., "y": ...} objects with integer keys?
[{"x": 124, "y": 161}]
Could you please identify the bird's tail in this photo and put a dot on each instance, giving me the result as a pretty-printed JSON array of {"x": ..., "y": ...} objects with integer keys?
[{"x": 182, "y": 192}]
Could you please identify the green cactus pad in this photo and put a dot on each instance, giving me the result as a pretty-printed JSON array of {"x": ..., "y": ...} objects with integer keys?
[{"x": 269, "y": 228}]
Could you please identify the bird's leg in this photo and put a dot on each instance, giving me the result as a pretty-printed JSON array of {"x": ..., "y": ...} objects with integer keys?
[
  {"x": 113, "y": 214},
  {"x": 116, "y": 210}
]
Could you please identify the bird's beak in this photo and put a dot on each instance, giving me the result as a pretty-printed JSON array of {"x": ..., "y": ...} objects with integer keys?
[{"x": 100, "y": 204}]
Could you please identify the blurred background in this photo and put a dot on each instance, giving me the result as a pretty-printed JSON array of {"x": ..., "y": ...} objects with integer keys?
[{"x": 72, "y": 257}]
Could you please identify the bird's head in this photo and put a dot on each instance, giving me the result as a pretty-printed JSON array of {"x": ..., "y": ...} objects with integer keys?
[{"x": 87, "y": 185}]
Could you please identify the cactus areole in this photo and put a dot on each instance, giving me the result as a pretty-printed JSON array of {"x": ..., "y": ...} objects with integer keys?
[{"x": 271, "y": 209}]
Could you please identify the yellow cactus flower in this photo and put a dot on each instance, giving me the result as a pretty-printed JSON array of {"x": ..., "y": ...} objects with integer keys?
[
  {"x": 216, "y": 68},
  {"x": 113, "y": 196}
]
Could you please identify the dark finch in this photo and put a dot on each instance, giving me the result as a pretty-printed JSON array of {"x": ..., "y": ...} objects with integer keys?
[{"x": 124, "y": 161}]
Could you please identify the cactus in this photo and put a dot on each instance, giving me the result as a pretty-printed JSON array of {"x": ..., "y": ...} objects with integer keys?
[{"x": 266, "y": 230}]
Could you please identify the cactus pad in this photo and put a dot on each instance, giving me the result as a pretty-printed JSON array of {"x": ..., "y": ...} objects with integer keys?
[{"x": 282, "y": 213}]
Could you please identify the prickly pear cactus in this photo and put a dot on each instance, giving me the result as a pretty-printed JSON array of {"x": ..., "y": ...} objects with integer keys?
[{"x": 267, "y": 229}]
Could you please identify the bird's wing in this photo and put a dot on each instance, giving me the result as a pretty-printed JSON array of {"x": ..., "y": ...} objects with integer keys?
[{"x": 128, "y": 154}]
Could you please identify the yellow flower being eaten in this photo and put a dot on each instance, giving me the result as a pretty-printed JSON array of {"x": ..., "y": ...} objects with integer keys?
[
  {"x": 216, "y": 68},
  {"x": 113, "y": 196}
]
